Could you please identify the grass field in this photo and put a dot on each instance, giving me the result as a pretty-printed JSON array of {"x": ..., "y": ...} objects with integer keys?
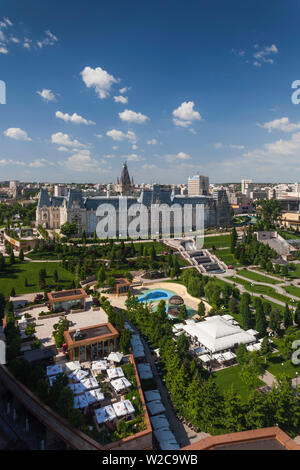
[
  {"x": 291, "y": 274},
  {"x": 293, "y": 290},
  {"x": 276, "y": 368},
  {"x": 261, "y": 290},
  {"x": 227, "y": 257},
  {"x": 257, "y": 277},
  {"x": 14, "y": 276},
  {"x": 227, "y": 377},
  {"x": 219, "y": 242}
]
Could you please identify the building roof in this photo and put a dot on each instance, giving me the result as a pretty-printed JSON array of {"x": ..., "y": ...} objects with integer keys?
[
  {"x": 217, "y": 334},
  {"x": 259, "y": 439}
]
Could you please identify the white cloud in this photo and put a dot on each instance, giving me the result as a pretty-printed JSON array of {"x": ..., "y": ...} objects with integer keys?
[
  {"x": 64, "y": 140},
  {"x": 133, "y": 157},
  {"x": 40, "y": 162},
  {"x": 74, "y": 118},
  {"x": 115, "y": 147},
  {"x": 46, "y": 94},
  {"x": 82, "y": 161},
  {"x": 149, "y": 166},
  {"x": 3, "y": 50},
  {"x": 132, "y": 116},
  {"x": 118, "y": 136},
  {"x": 121, "y": 99},
  {"x": 152, "y": 142},
  {"x": 99, "y": 136},
  {"x": 99, "y": 79},
  {"x": 185, "y": 114},
  {"x": 263, "y": 54},
  {"x": 134, "y": 147},
  {"x": 218, "y": 145},
  {"x": 123, "y": 90},
  {"x": 282, "y": 124},
  {"x": 238, "y": 147},
  {"x": 48, "y": 40},
  {"x": 16, "y": 133},
  {"x": 180, "y": 156}
]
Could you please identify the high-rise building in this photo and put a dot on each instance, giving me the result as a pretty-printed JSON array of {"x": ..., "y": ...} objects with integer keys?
[
  {"x": 198, "y": 185},
  {"x": 60, "y": 190},
  {"x": 247, "y": 187}
]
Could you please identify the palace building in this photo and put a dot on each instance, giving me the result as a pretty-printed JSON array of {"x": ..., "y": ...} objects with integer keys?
[{"x": 52, "y": 212}]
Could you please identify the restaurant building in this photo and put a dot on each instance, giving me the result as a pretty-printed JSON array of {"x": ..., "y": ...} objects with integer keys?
[
  {"x": 67, "y": 300},
  {"x": 91, "y": 342},
  {"x": 122, "y": 286}
]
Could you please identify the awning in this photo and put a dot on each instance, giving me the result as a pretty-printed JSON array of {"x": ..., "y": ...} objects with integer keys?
[{"x": 115, "y": 357}]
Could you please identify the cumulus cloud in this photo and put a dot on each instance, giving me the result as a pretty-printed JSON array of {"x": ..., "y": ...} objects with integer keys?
[
  {"x": 82, "y": 161},
  {"x": 118, "y": 136},
  {"x": 16, "y": 133},
  {"x": 220, "y": 145},
  {"x": 132, "y": 116},
  {"x": 98, "y": 79},
  {"x": 74, "y": 118},
  {"x": 282, "y": 124},
  {"x": 152, "y": 142},
  {"x": 40, "y": 162},
  {"x": 65, "y": 140},
  {"x": 185, "y": 114},
  {"x": 121, "y": 99},
  {"x": 46, "y": 94},
  {"x": 134, "y": 157}
]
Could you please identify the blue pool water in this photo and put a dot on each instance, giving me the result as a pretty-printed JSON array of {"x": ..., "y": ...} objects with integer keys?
[{"x": 155, "y": 295}]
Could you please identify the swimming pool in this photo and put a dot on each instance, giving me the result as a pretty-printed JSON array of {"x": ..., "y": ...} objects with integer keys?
[{"x": 155, "y": 295}]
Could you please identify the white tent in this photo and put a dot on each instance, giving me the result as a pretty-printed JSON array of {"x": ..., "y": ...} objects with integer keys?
[
  {"x": 105, "y": 414},
  {"x": 115, "y": 357},
  {"x": 99, "y": 365},
  {"x": 205, "y": 358},
  {"x": 217, "y": 334},
  {"x": 229, "y": 355},
  {"x": 78, "y": 374},
  {"x": 80, "y": 402},
  {"x": 219, "y": 358},
  {"x": 92, "y": 396},
  {"x": 77, "y": 389},
  {"x": 115, "y": 372},
  {"x": 252, "y": 332},
  {"x": 123, "y": 408},
  {"x": 89, "y": 383},
  {"x": 120, "y": 384},
  {"x": 54, "y": 370},
  {"x": 72, "y": 366}
]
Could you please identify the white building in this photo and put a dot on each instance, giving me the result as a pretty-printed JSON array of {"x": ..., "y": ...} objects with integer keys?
[
  {"x": 247, "y": 187},
  {"x": 198, "y": 185}
]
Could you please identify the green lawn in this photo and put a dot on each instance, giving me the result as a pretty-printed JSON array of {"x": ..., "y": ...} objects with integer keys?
[
  {"x": 291, "y": 274},
  {"x": 293, "y": 290},
  {"x": 262, "y": 290},
  {"x": 230, "y": 376},
  {"x": 257, "y": 277},
  {"x": 227, "y": 257},
  {"x": 14, "y": 276},
  {"x": 276, "y": 368},
  {"x": 219, "y": 242}
]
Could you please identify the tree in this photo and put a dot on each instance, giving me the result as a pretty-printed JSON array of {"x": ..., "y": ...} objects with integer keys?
[
  {"x": 12, "y": 257},
  {"x": 183, "y": 343},
  {"x": 176, "y": 267},
  {"x": 69, "y": 229},
  {"x": 287, "y": 317},
  {"x": 55, "y": 275},
  {"x": 233, "y": 412},
  {"x": 297, "y": 315},
  {"x": 101, "y": 275},
  {"x": 260, "y": 319},
  {"x": 125, "y": 341},
  {"x": 13, "y": 292},
  {"x": 201, "y": 309},
  {"x": 161, "y": 310},
  {"x": 241, "y": 354},
  {"x": 245, "y": 312},
  {"x": 183, "y": 314},
  {"x": 232, "y": 305},
  {"x": 233, "y": 239},
  {"x": 275, "y": 321},
  {"x": 21, "y": 255}
]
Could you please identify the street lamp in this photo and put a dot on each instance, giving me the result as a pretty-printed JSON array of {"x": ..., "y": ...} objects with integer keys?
[{"x": 252, "y": 285}]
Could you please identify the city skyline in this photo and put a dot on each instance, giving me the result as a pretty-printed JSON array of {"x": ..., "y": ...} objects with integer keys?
[{"x": 122, "y": 82}]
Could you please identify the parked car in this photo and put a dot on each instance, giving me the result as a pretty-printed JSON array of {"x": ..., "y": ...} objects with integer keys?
[{"x": 230, "y": 267}]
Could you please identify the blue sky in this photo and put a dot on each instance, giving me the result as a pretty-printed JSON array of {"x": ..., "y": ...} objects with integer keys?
[{"x": 174, "y": 88}]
